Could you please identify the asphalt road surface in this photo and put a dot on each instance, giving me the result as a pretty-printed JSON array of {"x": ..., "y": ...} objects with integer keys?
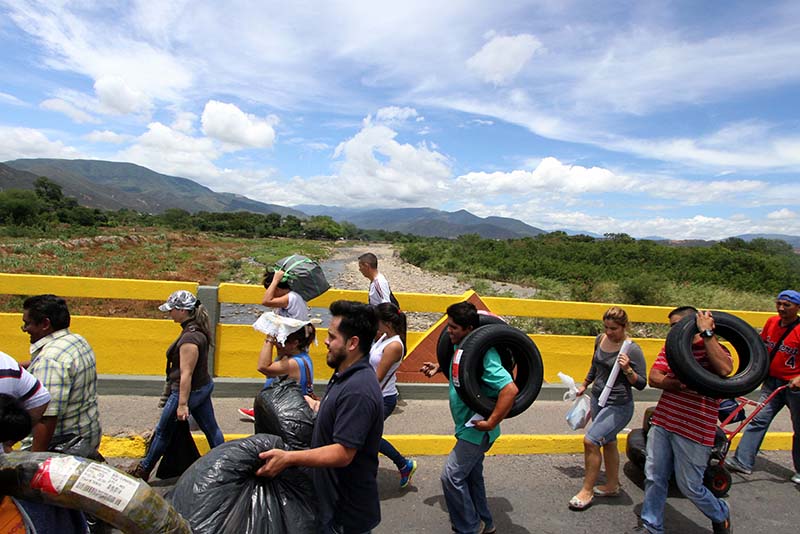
[{"x": 529, "y": 494}]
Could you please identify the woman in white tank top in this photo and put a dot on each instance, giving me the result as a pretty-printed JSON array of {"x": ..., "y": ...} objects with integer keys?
[{"x": 385, "y": 357}]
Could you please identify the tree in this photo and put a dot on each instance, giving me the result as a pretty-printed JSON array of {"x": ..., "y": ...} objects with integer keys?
[
  {"x": 19, "y": 207},
  {"x": 49, "y": 192}
]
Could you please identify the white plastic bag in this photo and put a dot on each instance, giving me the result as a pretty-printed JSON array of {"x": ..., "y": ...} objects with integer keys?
[
  {"x": 580, "y": 412},
  {"x": 569, "y": 383}
]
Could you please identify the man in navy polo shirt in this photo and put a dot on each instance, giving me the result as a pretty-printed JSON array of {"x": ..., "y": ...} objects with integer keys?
[{"x": 348, "y": 429}]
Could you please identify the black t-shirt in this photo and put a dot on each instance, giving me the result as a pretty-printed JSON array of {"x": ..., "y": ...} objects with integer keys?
[
  {"x": 191, "y": 333},
  {"x": 350, "y": 414}
]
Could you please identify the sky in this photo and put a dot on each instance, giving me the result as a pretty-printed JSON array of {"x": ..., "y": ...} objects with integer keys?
[{"x": 676, "y": 119}]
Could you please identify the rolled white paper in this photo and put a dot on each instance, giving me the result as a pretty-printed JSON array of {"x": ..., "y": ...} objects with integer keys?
[{"x": 612, "y": 377}]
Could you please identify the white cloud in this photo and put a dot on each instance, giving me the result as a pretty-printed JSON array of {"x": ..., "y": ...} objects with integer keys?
[
  {"x": 184, "y": 122},
  {"x": 100, "y": 44},
  {"x": 316, "y": 145},
  {"x": 106, "y": 136},
  {"x": 117, "y": 96},
  {"x": 18, "y": 143},
  {"x": 6, "y": 98},
  {"x": 550, "y": 176},
  {"x": 68, "y": 109},
  {"x": 782, "y": 214},
  {"x": 231, "y": 125},
  {"x": 647, "y": 69},
  {"x": 503, "y": 57},
  {"x": 172, "y": 152},
  {"x": 395, "y": 115},
  {"x": 375, "y": 170}
]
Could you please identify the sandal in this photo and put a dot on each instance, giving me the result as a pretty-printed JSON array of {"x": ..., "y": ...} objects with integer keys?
[
  {"x": 578, "y": 505},
  {"x": 602, "y": 493}
]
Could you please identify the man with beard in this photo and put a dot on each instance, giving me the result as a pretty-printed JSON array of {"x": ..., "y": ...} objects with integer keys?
[{"x": 348, "y": 429}]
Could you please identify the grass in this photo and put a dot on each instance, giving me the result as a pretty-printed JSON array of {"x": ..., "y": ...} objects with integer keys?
[
  {"x": 152, "y": 253},
  {"x": 146, "y": 253}
]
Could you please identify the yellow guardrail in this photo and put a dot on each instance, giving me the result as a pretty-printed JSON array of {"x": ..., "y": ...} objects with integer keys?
[{"x": 130, "y": 346}]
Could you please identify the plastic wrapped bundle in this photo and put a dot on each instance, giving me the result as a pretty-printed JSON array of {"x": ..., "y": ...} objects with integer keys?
[
  {"x": 304, "y": 276},
  {"x": 221, "y": 493},
  {"x": 74, "y": 482},
  {"x": 281, "y": 409}
]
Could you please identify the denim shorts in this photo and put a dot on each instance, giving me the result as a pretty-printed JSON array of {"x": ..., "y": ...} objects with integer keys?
[{"x": 608, "y": 421}]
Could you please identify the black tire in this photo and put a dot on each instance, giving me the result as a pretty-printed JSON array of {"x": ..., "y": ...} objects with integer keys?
[
  {"x": 636, "y": 448},
  {"x": 444, "y": 347},
  {"x": 526, "y": 368},
  {"x": 718, "y": 480},
  {"x": 753, "y": 358}
]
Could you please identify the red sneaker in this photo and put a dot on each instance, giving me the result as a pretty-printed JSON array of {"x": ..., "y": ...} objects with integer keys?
[{"x": 248, "y": 413}]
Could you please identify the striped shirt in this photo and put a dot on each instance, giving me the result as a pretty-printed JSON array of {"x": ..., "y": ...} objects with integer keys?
[
  {"x": 65, "y": 364},
  {"x": 20, "y": 384},
  {"x": 686, "y": 412}
]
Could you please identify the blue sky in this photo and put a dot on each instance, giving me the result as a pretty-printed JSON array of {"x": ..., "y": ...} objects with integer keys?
[{"x": 675, "y": 119}]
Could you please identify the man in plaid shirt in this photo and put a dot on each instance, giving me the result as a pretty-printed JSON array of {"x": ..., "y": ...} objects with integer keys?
[{"x": 65, "y": 364}]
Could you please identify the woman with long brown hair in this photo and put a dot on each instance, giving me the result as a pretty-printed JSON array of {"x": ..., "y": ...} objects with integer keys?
[{"x": 608, "y": 420}]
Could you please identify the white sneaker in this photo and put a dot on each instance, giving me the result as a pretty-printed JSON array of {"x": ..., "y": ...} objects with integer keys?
[{"x": 796, "y": 478}]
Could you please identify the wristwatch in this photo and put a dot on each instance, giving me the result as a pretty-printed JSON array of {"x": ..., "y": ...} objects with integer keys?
[{"x": 707, "y": 333}]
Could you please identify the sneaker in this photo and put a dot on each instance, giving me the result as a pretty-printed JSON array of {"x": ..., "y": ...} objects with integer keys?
[
  {"x": 734, "y": 465},
  {"x": 796, "y": 478},
  {"x": 248, "y": 413},
  {"x": 723, "y": 527},
  {"x": 483, "y": 529},
  {"x": 407, "y": 472}
]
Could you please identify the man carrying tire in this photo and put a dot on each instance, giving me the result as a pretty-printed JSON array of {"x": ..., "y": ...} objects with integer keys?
[
  {"x": 683, "y": 430},
  {"x": 462, "y": 476},
  {"x": 781, "y": 335}
]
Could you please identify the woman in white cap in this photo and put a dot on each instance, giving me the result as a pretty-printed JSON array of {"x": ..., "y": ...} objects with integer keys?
[{"x": 189, "y": 379}]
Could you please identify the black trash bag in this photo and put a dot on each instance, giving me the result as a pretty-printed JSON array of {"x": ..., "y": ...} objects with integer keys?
[
  {"x": 180, "y": 454},
  {"x": 281, "y": 410},
  {"x": 303, "y": 275},
  {"x": 221, "y": 494}
]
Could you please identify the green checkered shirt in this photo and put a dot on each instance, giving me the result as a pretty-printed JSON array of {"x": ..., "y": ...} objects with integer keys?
[{"x": 65, "y": 364}]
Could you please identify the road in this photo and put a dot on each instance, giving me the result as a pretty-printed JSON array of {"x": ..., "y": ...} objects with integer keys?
[{"x": 529, "y": 494}]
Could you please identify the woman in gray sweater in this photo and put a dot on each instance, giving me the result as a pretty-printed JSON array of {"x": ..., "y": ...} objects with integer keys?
[{"x": 610, "y": 419}]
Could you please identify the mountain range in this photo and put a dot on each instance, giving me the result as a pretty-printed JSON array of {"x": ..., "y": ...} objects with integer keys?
[
  {"x": 112, "y": 186},
  {"x": 115, "y": 185}
]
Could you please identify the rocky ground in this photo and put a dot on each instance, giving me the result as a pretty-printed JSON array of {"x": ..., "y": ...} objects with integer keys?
[{"x": 403, "y": 277}]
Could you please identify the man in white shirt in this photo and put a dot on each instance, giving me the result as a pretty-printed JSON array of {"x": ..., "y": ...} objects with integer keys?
[
  {"x": 379, "y": 290},
  {"x": 23, "y": 386}
]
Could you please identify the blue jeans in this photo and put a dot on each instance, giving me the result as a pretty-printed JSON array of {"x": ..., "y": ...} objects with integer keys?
[
  {"x": 608, "y": 421},
  {"x": 463, "y": 486},
  {"x": 200, "y": 408},
  {"x": 668, "y": 452},
  {"x": 386, "y": 448},
  {"x": 757, "y": 428}
]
